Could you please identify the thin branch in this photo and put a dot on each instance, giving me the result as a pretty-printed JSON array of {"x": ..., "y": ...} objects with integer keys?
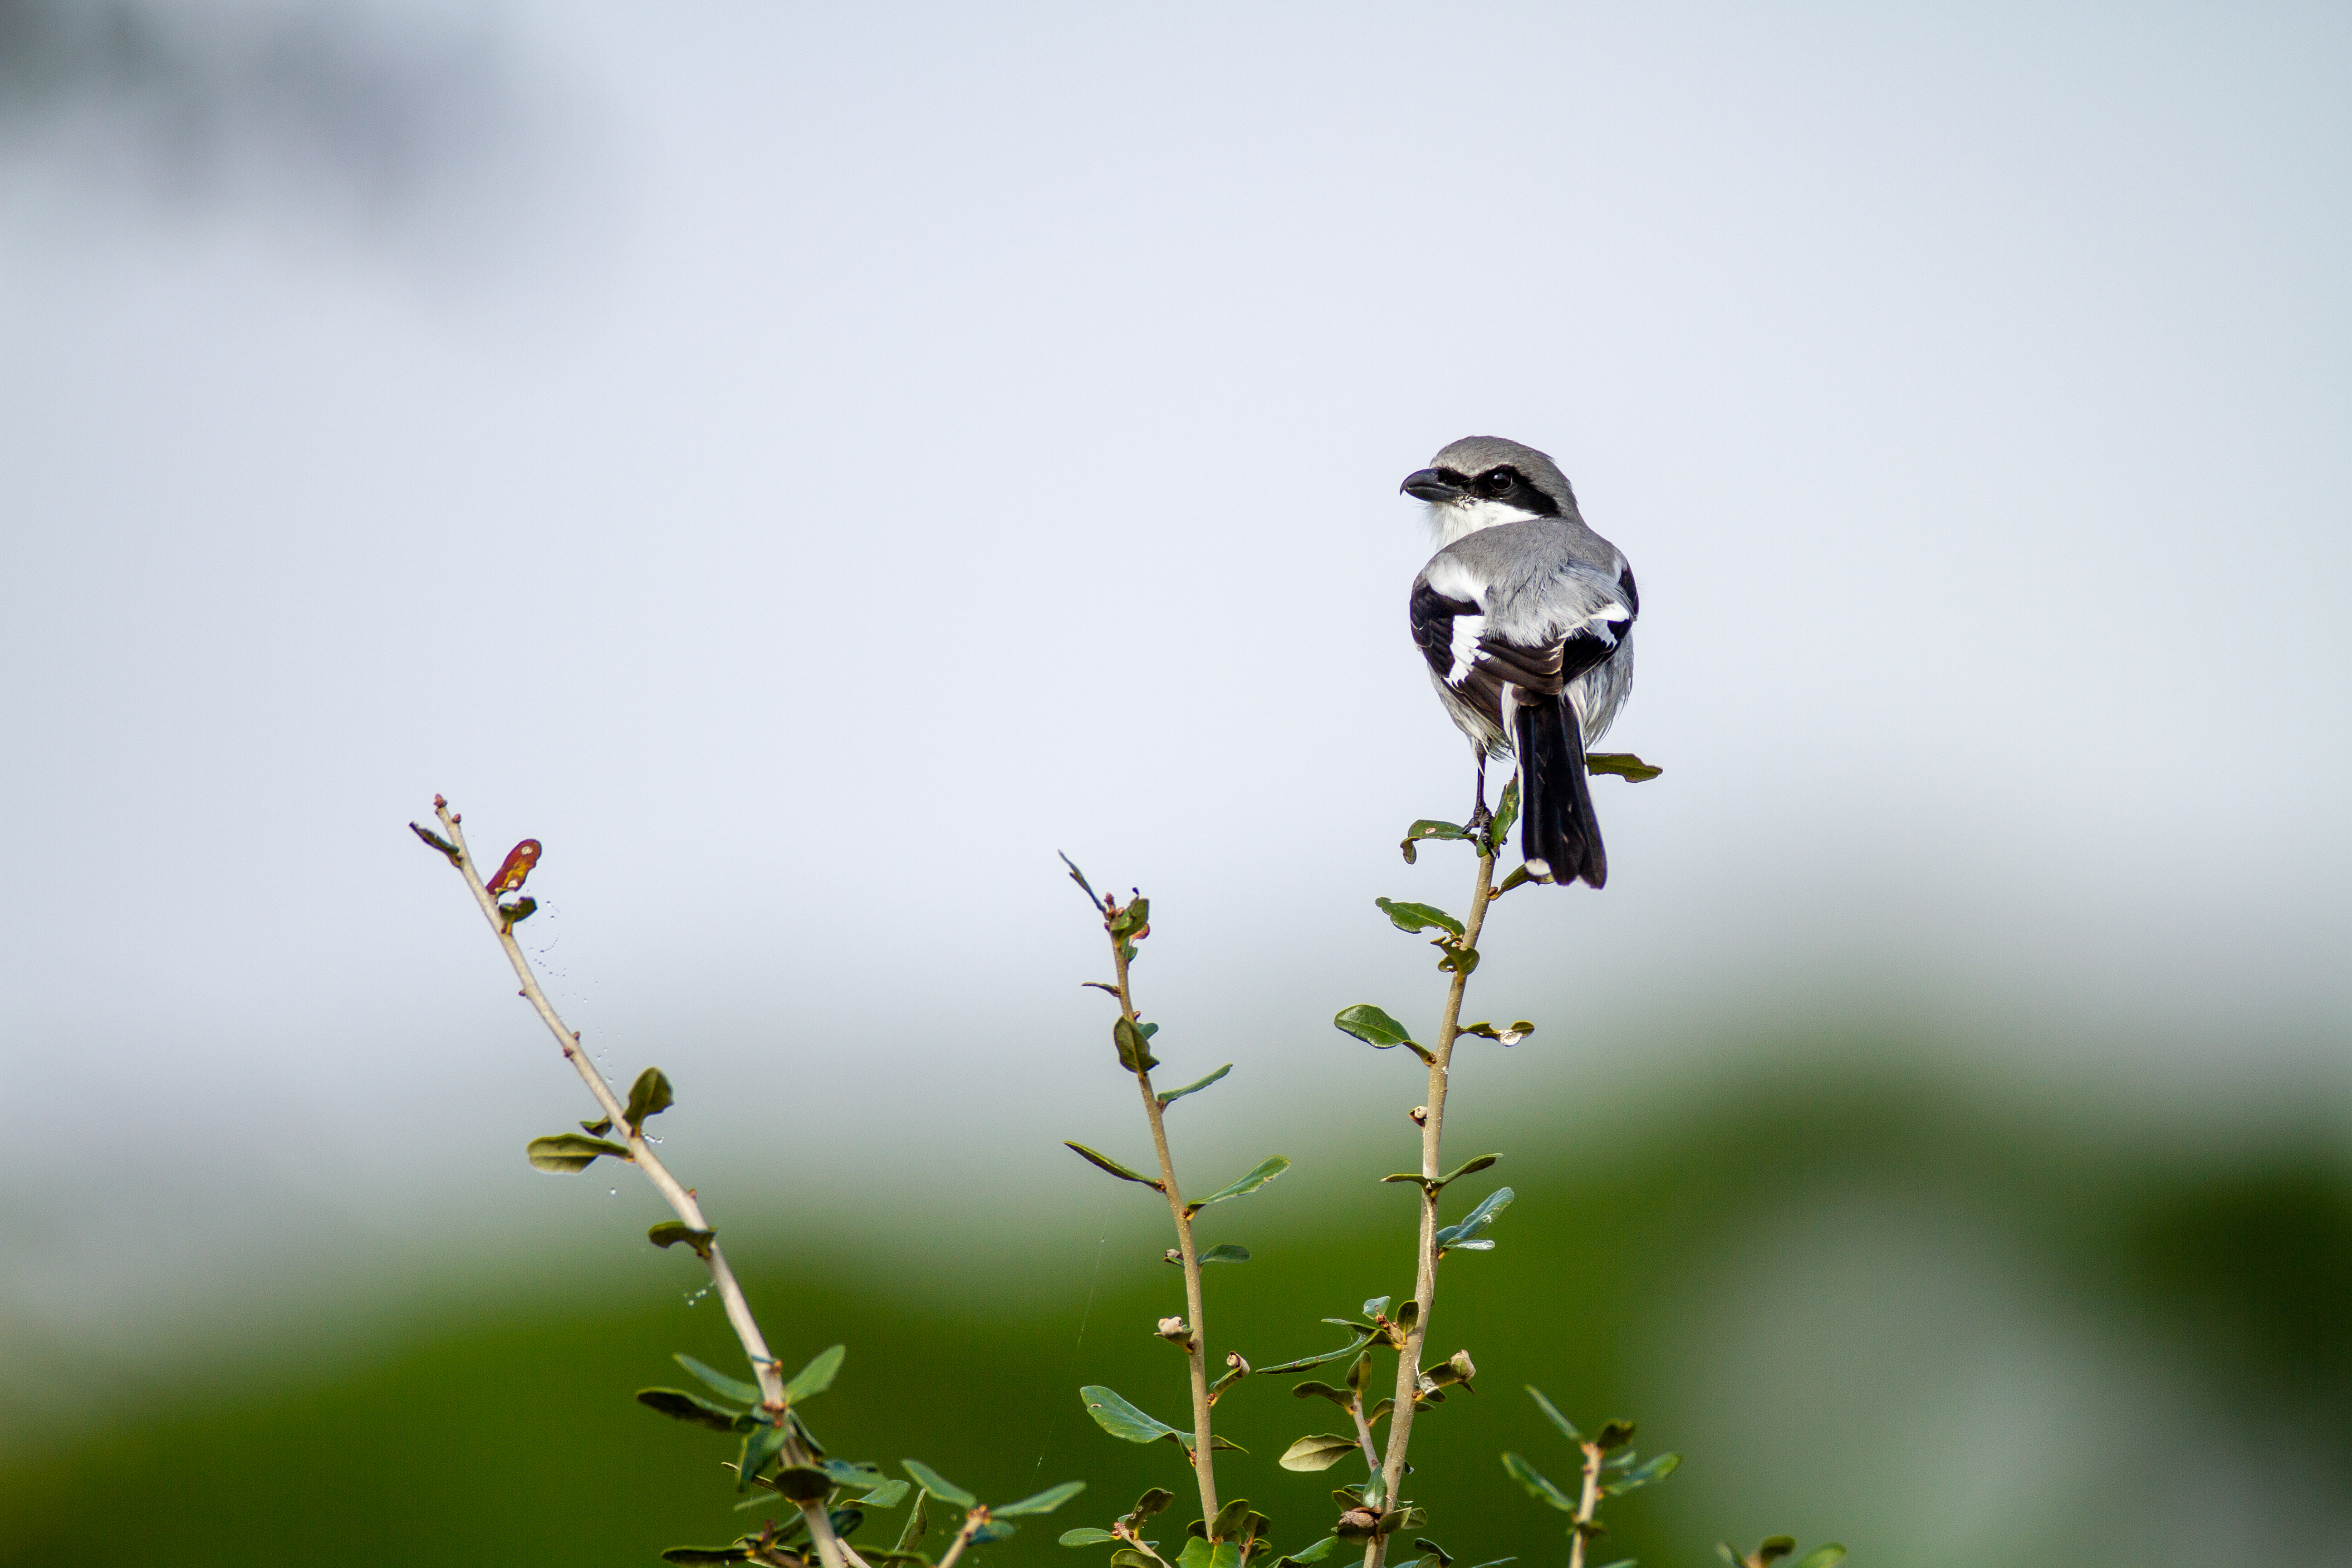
[
  {"x": 971, "y": 1523},
  {"x": 1424, "y": 1285},
  {"x": 1594, "y": 1457},
  {"x": 1196, "y": 1351},
  {"x": 848, "y": 1553},
  {"x": 1364, "y": 1433},
  {"x": 679, "y": 1197}
]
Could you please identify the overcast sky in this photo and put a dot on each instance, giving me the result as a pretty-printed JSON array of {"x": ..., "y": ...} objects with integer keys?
[{"x": 807, "y": 465}]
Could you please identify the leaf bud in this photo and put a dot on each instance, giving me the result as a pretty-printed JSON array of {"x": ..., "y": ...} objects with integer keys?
[
  {"x": 1175, "y": 1333},
  {"x": 1237, "y": 1364},
  {"x": 1420, "y": 1114},
  {"x": 1464, "y": 1368}
]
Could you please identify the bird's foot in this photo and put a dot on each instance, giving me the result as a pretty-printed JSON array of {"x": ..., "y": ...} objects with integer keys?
[{"x": 1479, "y": 821}]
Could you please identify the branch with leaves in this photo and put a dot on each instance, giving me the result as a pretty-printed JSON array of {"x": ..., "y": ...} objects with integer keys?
[
  {"x": 829, "y": 1497},
  {"x": 1610, "y": 1468},
  {"x": 1126, "y": 925}
]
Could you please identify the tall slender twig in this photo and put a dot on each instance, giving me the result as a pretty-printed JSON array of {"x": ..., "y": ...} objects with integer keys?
[
  {"x": 1595, "y": 1456},
  {"x": 1424, "y": 1285},
  {"x": 1196, "y": 1350},
  {"x": 680, "y": 1198}
]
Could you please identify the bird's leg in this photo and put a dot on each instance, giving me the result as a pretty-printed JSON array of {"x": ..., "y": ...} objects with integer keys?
[{"x": 1482, "y": 817}]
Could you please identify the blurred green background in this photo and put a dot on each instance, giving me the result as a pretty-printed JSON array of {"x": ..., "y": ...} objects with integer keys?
[{"x": 1942, "y": 1324}]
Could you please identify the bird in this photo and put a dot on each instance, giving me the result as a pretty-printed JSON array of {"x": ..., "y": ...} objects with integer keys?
[{"x": 1526, "y": 617}]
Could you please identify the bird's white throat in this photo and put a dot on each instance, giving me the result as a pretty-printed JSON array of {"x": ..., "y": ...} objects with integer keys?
[{"x": 1453, "y": 520}]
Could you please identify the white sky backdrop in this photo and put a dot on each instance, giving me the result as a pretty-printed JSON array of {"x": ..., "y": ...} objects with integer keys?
[{"x": 807, "y": 465}]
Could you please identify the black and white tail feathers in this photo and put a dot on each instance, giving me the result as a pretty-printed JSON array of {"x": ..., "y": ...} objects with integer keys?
[{"x": 1557, "y": 826}]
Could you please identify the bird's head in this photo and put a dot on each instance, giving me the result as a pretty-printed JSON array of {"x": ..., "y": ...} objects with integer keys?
[{"x": 1482, "y": 480}]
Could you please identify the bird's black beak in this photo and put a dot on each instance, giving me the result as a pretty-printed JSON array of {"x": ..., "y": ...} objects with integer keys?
[{"x": 1426, "y": 484}]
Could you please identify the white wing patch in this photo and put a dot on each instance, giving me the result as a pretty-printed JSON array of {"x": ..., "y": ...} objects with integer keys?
[{"x": 1468, "y": 630}]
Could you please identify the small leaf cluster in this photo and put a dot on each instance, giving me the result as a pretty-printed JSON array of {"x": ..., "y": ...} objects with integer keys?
[
  {"x": 1610, "y": 1466},
  {"x": 567, "y": 1153},
  {"x": 1773, "y": 1548},
  {"x": 1237, "y": 1536}
]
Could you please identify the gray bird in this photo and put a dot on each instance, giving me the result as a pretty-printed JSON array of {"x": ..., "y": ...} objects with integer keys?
[{"x": 1526, "y": 616}]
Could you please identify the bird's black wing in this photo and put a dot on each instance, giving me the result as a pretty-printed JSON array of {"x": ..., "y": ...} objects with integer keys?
[{"x": 1478, "y": 665}]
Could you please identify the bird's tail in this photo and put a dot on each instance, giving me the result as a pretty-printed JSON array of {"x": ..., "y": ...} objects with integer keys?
[{"x": 1557, "y": 827}]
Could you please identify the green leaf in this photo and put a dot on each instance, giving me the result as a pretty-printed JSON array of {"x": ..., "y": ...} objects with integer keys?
[
  {"x": 1132, "y": 918},
  {"x": 1314, "y": 1390},
  {"x": 1120, "y": 1419},
  {"x": 1772, "y": 1548},
  {"x": 1377, "y": 1029},
  {"x": 703, "y": 1554},
  {"x": 1080, "y": 879},
  {"x": 1150, "y": 1505},
  {"x": 1377, "y": 1304},
  {"x": 910, "y": 1535},
  {"x": 1624, "y": 764},
  {"x": 1170, "y": 1097},
  {"x": 802, "y": 1483},
  {"x": 649, "y": 1096},
  {"x": 847, "y": 1474},
  {"x": 1466, "y": 1168},
  {"x": 1303, "y": 1363},
  {"x": 1506, "y": 812},
  {"x": 1129, "y": 1037},
  {"x": 1046, "y": 1501},
  {"x": 1658, "y": 1469},
  {"x": 1225, "y": 1554},
  {"x": 992, "y": 1530},
  {"x": 1257, "y": 1176},
  {"x": 569, "y": 1152},
  {"x": 1615, "y": 1434},
  {"x": 1445, "y": 1558},
  {"x": 1087, "y": 1535},
  {"x": 762, "y": 1443},
  {"x": 670, "y": 1232},
  {"x": 1459, "y": 1235},
  {"x": 1226, "y": 1252},
  {"x": 1196, "y": 1553},
  {"x": 1316, "y": 1553},
  {"x": 1427, "y": 828},
  {"x": 1105, "y": 1162},
  {"x": 732, "y": 1387},
  {"x": 817, "y": 1376},
  {"x": 1509, "y": 1034},
  {"x": 1418, "y": 917},
  {"x": 1826, "y": 1555},
  {"x": 1319, "y": 1451},
  {"x": 1458, "y": 960},
  {"x": 681, "y": 1406},
  {"x": 1128, "y": 1557},
  {"x": 1539, "y": 1488},
  {"x": 1548, "y": 1408},
  {"x": 888, "y": 1494},
  {"x": 931, "y": 1481},
  {"x": 598, "y": 1128},
  {"x": 1227, "y": 1525},
  {"x": 1518, "y": 878}
]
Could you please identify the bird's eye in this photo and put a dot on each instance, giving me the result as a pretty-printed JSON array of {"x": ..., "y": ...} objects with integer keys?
[{"x": 1497, "y": 483}]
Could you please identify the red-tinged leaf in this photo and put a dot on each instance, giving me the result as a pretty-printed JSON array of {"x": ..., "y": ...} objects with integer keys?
[{"x": 515, "y": 869}]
